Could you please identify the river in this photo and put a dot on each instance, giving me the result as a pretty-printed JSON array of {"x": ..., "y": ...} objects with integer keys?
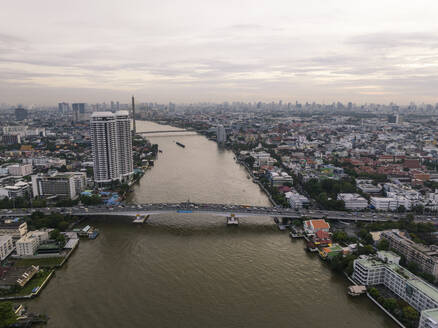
[{"x": 186, "y": 270}]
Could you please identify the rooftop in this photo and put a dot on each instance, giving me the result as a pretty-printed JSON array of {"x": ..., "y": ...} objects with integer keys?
[
  {"x": 432, "y": 314},
  {"x": 425, "y": 288}
]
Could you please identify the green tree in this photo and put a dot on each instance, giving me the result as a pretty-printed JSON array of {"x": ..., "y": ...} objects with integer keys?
[
  {"x": 410, "y": 313},
  {"x": 383, "y": 245},
  {"x": 340, "y": 236},
  {"x": 390, "y": 304},
  {"x": 59, "y": 237},
  {"x": 367, "y": 249},
  {"x": 91, "y": 200},
  {"x": 374, "y": 292},
  {"x": 7, "y": 314},
  {"x": 249, "y": 161},
  {"x": 365, "y": 236}
]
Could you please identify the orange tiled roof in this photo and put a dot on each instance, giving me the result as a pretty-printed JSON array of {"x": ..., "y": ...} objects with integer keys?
[{"x": 320, "y": 224}]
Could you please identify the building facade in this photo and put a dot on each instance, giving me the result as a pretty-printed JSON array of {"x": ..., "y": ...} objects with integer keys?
[
  {"x": 28, "y": 244},
  {"x": 221, "y": 134},
  {"x": 112, "y": 146},
  {"x": 13, "y": 227},
  {"x": 62, "y": 185},
  {"x": 353, "y": 201},
  {"x": 124, "y": 141},
  {"x": 425, "y": 257},
  {"x": 20, "y": 170},
  {"x": 6, "y": 246},
  {"x": 381, "y": 270}
]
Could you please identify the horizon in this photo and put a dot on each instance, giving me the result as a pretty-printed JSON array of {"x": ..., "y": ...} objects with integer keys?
[{"x": 219, "y": 51}]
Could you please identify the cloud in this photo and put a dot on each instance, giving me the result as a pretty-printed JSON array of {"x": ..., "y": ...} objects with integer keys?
[{"x": 385, "y": 40}]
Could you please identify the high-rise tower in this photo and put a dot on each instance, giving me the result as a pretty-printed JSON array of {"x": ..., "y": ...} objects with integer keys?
[
  {"x": 221, "y": 134},
  {"x": 112, "y": 146},
  {"x": 124, "y": 140},
  {"x": 133, "y": 116}
]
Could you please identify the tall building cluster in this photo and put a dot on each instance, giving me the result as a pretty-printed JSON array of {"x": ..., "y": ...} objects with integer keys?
[{"x": 112, "y": 146}]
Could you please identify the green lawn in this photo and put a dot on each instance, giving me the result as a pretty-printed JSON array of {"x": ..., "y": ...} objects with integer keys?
[
  {"x": 36, "y": 281},
  {"x": 49, "y": 262}
]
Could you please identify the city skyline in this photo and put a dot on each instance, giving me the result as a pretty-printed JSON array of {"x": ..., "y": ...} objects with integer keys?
[{"x": 221, "y": 51}]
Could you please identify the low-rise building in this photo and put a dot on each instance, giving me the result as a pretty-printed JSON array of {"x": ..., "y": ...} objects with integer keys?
[
  {"x": 62, "y": 185},
  {"x": 353, "y": 201},
  {"x": 297, "y": 200},
  {"x": 16, "y": 228},
  {"x": 279, "y": 179},
  {"x": 389, "y": 203},
  {"x": 28, "y": 244},
  {"x": 426, "y": 257},
  {"x": 378, "y": 270},
  {"x": 6, "y": 246},
  {"x": 20, "y": 170},
  {"x": 311, "y": 227},
  {"x": 20, "y": 189}
]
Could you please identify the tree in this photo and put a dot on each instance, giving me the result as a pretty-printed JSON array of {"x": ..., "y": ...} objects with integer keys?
[
  {"x": 390, "y": 304},
  {"x": 7, "y": 314},
  {"x": 59, "y": 237},
  {"x": 374, "y": 292},
  {"x": 410, "y": 313},
  {"x": 366, "y": 236},
  {"x": 367, "y": 249},
  {"x": 340, "y": 236},
  {"x": 249, "y": 161},
  {"x": 91, "y": 200},
  {"x": 383, "y": 245}
]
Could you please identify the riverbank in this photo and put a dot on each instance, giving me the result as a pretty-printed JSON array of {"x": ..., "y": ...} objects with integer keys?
[
  {"x": 28, "y": 291},
  {"x": 184, "y": 267}
]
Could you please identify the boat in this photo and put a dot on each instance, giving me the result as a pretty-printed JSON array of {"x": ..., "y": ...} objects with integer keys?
[
  {"x": 141, "y": 219},
  {"x": 94, "y": 234},
  {"x": 295, "y": 233},
  {"x": 180, "y": 144}
]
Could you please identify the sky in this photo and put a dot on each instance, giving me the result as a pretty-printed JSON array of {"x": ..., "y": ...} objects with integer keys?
[{"x": 364, "y": 51}]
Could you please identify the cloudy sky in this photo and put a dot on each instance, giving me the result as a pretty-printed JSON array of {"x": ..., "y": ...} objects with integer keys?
[{"x": 217, "y": 50}]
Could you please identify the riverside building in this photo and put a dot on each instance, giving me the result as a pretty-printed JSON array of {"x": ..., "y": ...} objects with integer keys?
[
  {"x": 426, "y": 257},
  {"x": 112, "y": 146},
  {"x": 384, "y": 269},
  {"x": 63, "y": 185},
  {"x": 221, "y": 134}
]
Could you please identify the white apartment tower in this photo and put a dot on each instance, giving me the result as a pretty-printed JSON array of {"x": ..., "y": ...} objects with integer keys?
[
  {"x": 221, "y": 134},
  {"x": 112, "y": 146},
  {"x": 124, "y": 140}
]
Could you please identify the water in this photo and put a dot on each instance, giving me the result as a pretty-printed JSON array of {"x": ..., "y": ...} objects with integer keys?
[{"x": 190, "y": 271}]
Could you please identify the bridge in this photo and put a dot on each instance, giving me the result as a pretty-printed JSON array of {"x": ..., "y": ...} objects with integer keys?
[
  {"x": 225, "y": 210},
  {"x": 164, "y": 131}
]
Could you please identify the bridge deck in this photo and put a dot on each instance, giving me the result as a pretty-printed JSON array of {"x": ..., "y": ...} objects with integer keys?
[{"x": 216, "y": 209}]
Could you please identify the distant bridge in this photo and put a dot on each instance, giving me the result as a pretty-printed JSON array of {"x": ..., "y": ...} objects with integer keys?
[
  {"x": 216, "y": 209},
  {"x": 163, "y": 131}
]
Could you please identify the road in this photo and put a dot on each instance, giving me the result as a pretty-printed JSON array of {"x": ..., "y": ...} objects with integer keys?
[{"x": 215, "y": 209}]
